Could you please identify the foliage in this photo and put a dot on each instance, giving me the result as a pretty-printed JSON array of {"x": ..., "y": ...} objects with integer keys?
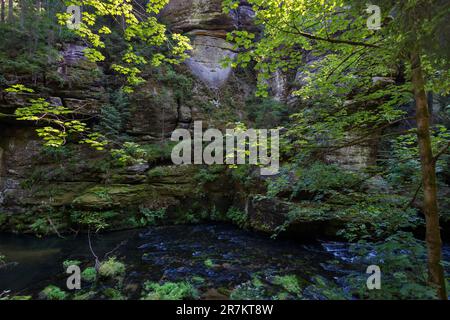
[
  {"x": 266, "y": 113},
  {"x": 89, "y": 274},
  {"x": 237, "y": 216},
  {"x": 376, "y": 217},
  {"x": 207, "y": 175},
  {"x": 113, "y": 294},
  {"x": 59, "y": 122},
  {"x": 57, "y": 154},
  {"x": 41, "y": 226},
  {"x": 53, "y": 293},
  {"x": 180, "y": 83},
  {"x": 169, "y": 291},
  {"x": 279, "y": 287},
  {"x": 151, "y": 217},
  {"x": 289, "y": 283},
  {"x": 140, "y": 32},
  {"x": 26, "y": 49},
  {"x": 402, "y": 260},
  {"x": 114, "y": 116},
  {"x": 209, "y": 263},
  {"x": 111, "y": 268},
  {"x": 130, "y": 154},
  {"x": 327, "y": 289},
  {"x": 315, "y": 181},
  {"x": 158, "y": 152},
  {"x": 94, "y": 220},
  {"x": 81, "y": 295},
  {"x": 250, "y": 290},
  {"x": 404, "y": 165}
]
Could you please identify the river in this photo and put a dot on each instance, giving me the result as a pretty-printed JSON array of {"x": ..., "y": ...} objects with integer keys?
[{"x": 223, "y": 256}]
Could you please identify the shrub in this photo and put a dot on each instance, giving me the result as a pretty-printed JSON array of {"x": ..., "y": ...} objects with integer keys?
[
  {"x": 170, "y": 291},
  {"x": 113, "y": 294},
  {"x": 150, "y": 217},
  {"x": 111, "y": 268},
  {"x": 250, "y": 290},
  {"x": 89, "y": 274},
  {"x": 238, "y": 217},
  {"x": 130, "y": 154},
  {"x": 53, "y": 293},
  {"x": 289, "y": 283}
]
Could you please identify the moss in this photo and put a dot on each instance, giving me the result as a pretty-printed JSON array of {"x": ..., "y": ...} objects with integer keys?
[
  {"x": 21, "y": 298},
  {"x": 209, "y": 263},
  {"x": 53, "y": 293},
  {"x": 150, "y": 217},
  {"x": 61, "y": 193},
  {"x": 3, "y": 218},
  {"x": 173, "y": 175},
  {"x": 247, "y": 291},
  {"x": 84, "y": 295},
  {"x": 289, "y": 283},
  {"x": 158, "y": 152},
  {"x": 169, "y": 291},
  {"x": 111, "y": 268},
  {"x": 198, "y": 280},
  {"x": 89, "y": 274},
  {"x": 238, "y": 217},
  {"x": 68, "y": 263},
  {"x": 105, "y": 197},
  {"x": 113, "y": 294}
]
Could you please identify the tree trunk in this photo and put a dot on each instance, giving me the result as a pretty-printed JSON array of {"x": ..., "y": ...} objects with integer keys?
[
  {"x": 10, "y": 11},
  {"x": 23, "y": 9},
  {"x": 3, "y": 11},
  {"x": 428, "y": 166}
]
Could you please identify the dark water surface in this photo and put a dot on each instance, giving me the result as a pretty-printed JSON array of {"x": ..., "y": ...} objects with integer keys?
[
  {"x": 171, "y": 253},
  {"x": 224, "y": 256}
]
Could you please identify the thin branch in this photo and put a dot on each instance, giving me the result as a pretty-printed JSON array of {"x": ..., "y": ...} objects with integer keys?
[
  {"x": 409, "y": 204},
  {"x": 97, "y": 261},
  {"x": 54, "y": 228},
  {"x": 441, "y": 152}
]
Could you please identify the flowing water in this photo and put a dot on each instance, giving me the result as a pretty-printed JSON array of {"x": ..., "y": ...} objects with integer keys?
[{"x": 222, "y": 255}]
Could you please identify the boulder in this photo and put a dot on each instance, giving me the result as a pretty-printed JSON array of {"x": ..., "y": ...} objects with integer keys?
[{"x": 268, "y": 214}]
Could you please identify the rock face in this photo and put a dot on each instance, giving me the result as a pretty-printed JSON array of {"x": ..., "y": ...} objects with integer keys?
[
  {"x": 268, "y": 214},
  {"x": 206, "y": 58},
  {"x": 186, "y": 15},
  {"x": 44, "y": 192},
  {"x": 153, "y": 117},
  {"x": 207, "y": 25}
]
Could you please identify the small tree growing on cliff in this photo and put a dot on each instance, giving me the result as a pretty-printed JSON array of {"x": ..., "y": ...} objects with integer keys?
[
  {"x": 347, "y": 58},
  {"x": 138, "y": 27}
]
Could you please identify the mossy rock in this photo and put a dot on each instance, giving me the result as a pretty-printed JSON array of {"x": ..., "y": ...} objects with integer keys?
[
  {"x": 53, "y": 293},
  {"x": 182, "y": 174},
  {"x": 55, "y": 194},
  {"x": 116, "y": 195}
]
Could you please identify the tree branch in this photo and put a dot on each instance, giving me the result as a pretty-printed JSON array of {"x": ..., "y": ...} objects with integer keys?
[{"x": 441, "y": 152}]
